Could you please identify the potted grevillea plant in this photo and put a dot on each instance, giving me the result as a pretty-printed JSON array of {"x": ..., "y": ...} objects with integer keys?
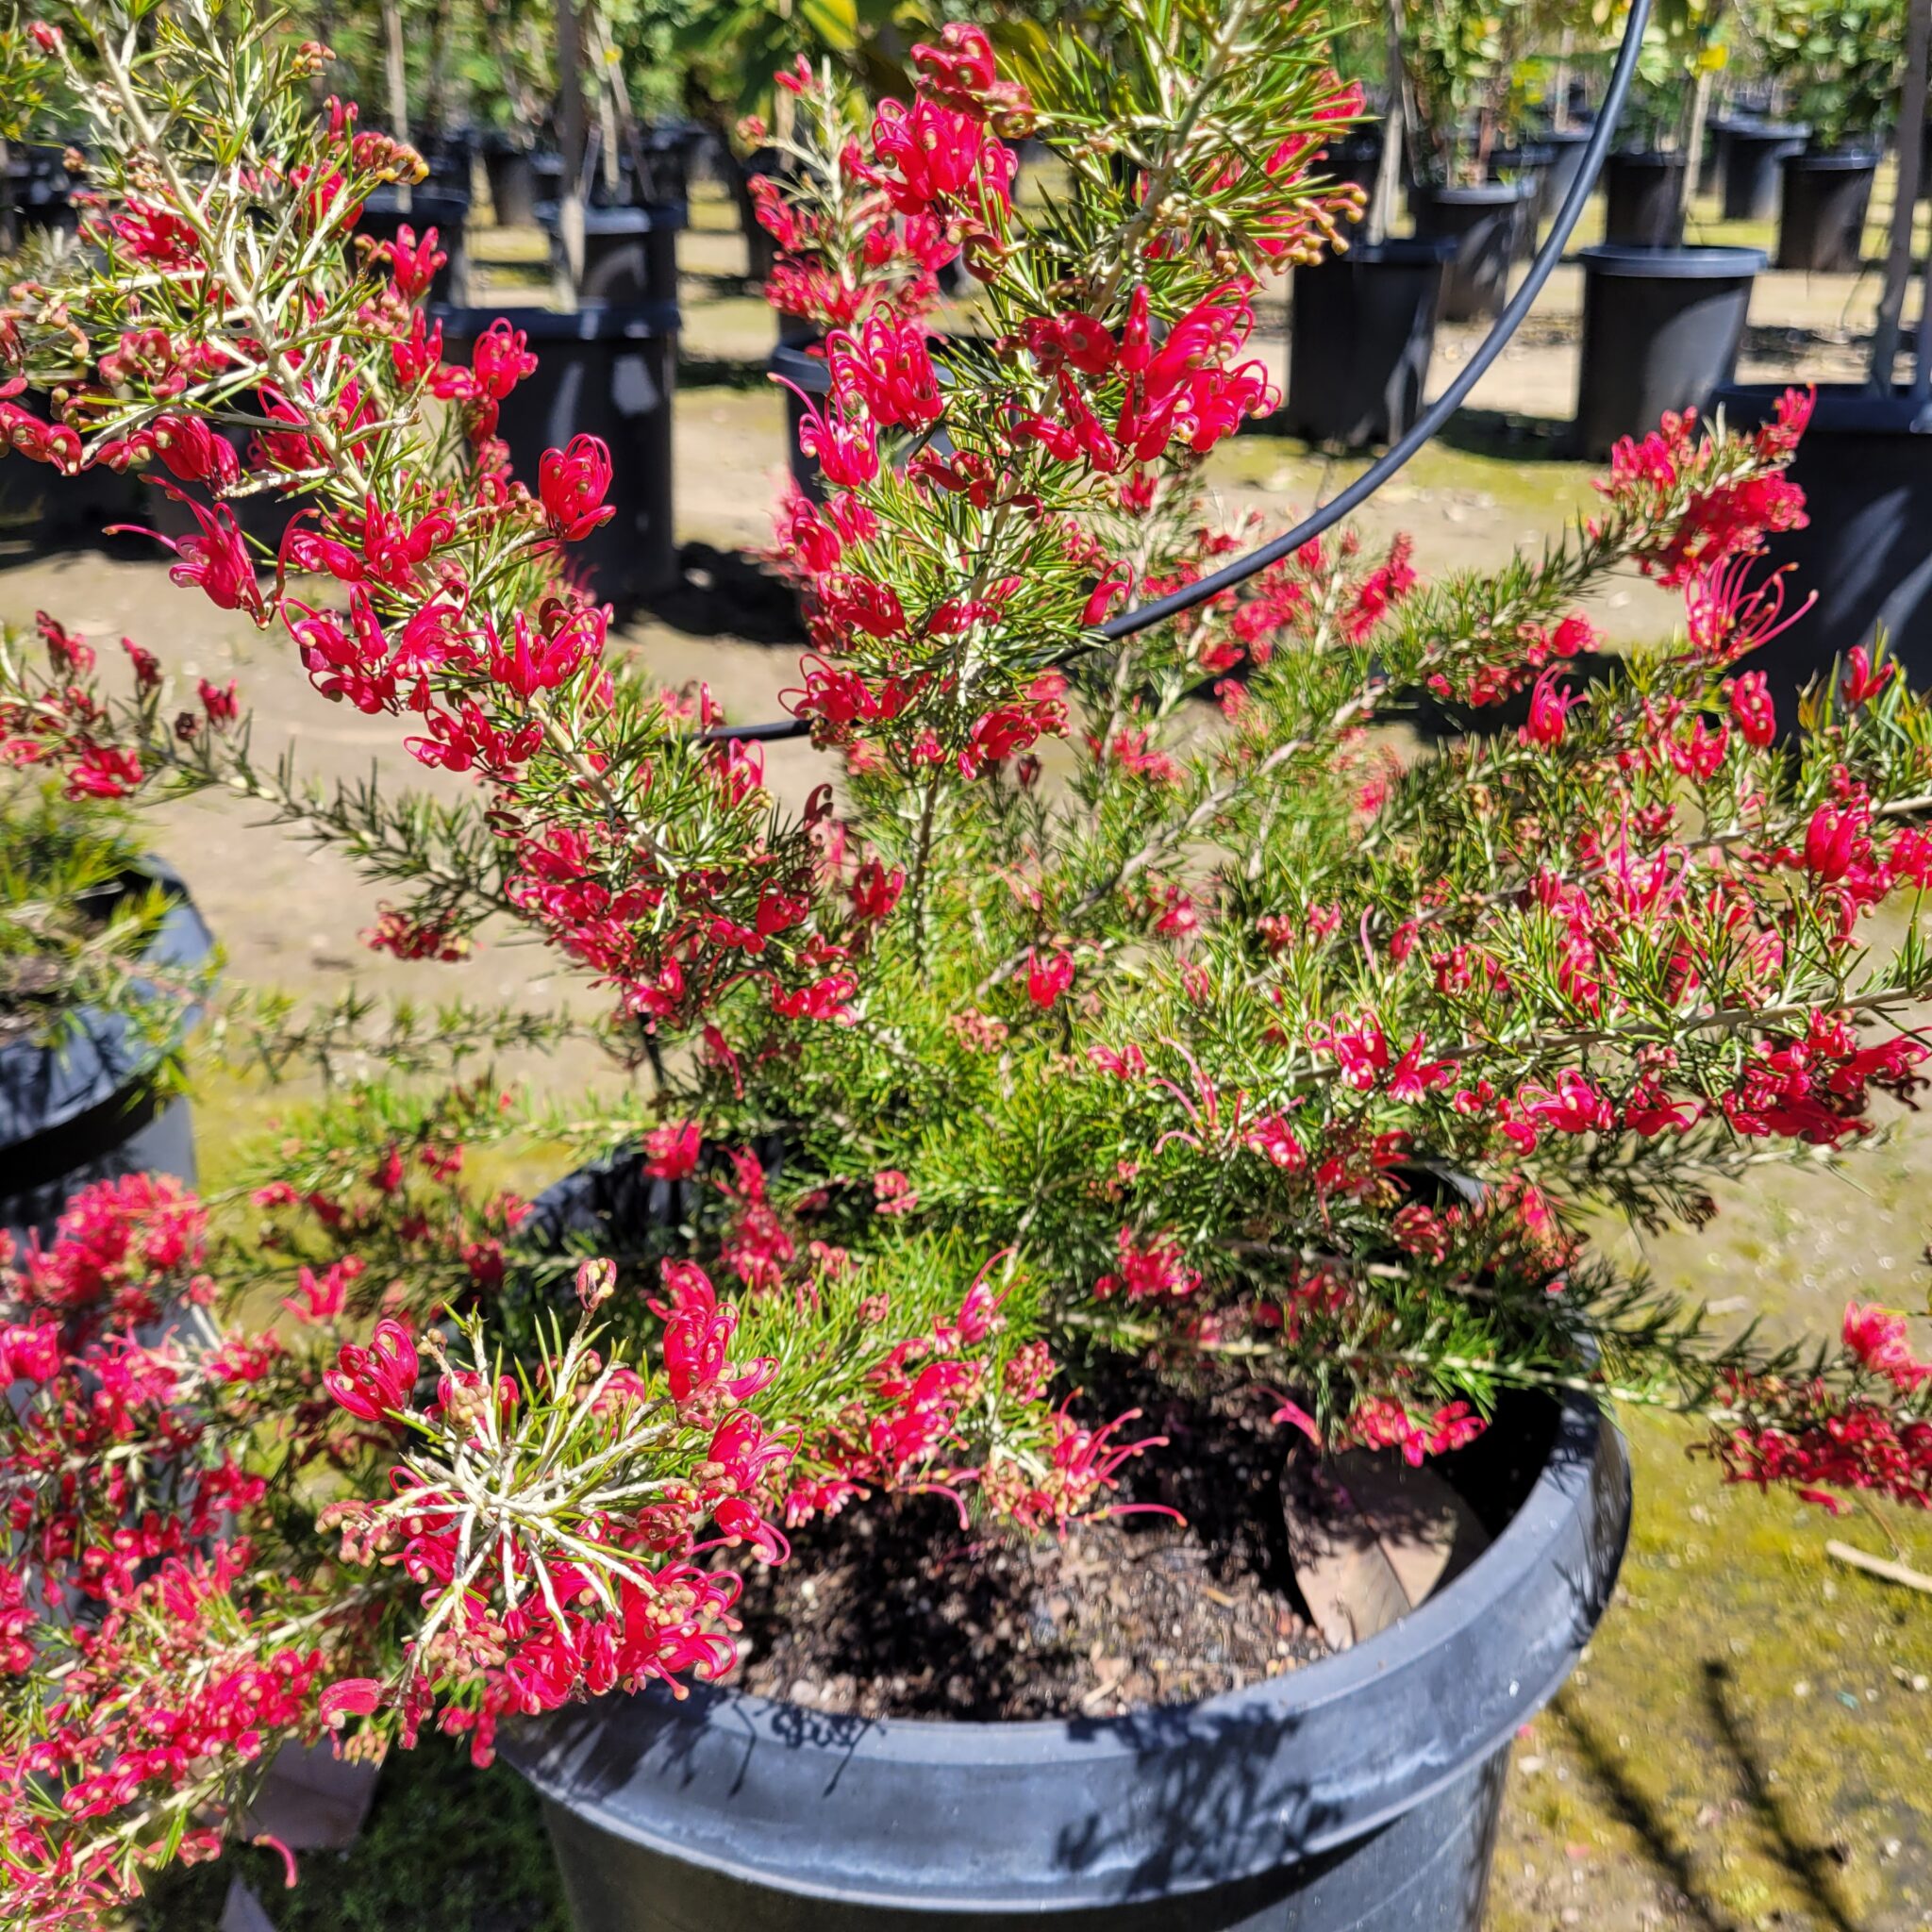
[
  {"x": 1130, "y": 1086},
  {"x": 103, "y": 961}
]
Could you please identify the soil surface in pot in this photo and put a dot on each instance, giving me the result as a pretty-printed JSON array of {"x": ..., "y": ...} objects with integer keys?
[{"x": 893, "y": 1609}]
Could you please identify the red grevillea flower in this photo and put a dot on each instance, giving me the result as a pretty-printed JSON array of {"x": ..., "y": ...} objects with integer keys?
[
  {"x": 346, "y": 1698},
  {"x": 845, "y": 451},
  {"x": 1726, "y": 615},
  {"x": 1156, "y": 1272},
  {"x": 673, "y": 1151},
  {"x": 104, "y": 771},
  {"x": 217, "y": 559},
  {"x": 413, "y": 263},
  {"x": 1380, "y": 1424},
  {"x": 192, "y": 450},
  {"x": 1863, "y": 679},
  {"x": 1878, "y": 1338},
  {"x": 1549, "y": 706},
  {"x": 501, "y": 359},
  {"x": 1751, "y": 708},
  {"x": 875, "y": 891},
  {"x": 887, "y": 367},
  {"x": 572, "y": 483},
  {"x": 1831, "y": 843},
  {"x": 374, "y": 1381},
  {"x": 1048, "y": 976}
]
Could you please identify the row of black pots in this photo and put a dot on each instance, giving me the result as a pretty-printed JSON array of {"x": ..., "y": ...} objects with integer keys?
[
  {"x": 86, "y": 1107},
  {"x": 1821, "y": 207},
  {"x": 1661, "y": 330},
  {"x": 1361, "y": 1791}
]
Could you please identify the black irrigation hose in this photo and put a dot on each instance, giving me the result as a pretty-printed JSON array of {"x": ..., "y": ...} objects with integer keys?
[{"x": 1144, "y": 617}]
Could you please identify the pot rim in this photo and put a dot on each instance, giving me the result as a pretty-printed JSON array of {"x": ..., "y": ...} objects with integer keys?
[
  {"x": 1840, "y": 408},
  {"x": 592, "y": 321},
  {"x": 1832, "y": 160},
  {"x": 1480, "y": 193},
  {"x": 437, "y": 204},
  {"x": 1716, "y": 263},
  {"x": 1395, "y": 251},
  {"x": 627, "y": 218}
]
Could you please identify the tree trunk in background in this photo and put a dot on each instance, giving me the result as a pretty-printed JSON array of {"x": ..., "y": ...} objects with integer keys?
[
  {"x": 617, "y": 127},
  {"x": 1394, "y": 124},
  {"x": 398, "y": 76},
  {"x": 1694, "y": 141},
  {"x": 436, "y": 100},
  {"x": 1898, "y": 261},
  {"x": 570, "y": 116}
]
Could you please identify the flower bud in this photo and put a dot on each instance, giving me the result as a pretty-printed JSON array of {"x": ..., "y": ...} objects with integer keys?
[{"x": 597, "y": 1282}]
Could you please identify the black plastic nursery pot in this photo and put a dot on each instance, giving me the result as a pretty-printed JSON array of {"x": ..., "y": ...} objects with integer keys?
[
  {"x": 512, "y": 171},
  {"x": 1566, "y": 146},
  {"x": 1357, "y": 1794},
  {"x": 1661, "y": 330},
  {"x": 41, "y": 188},
  {"x": 1485, "y": 222},
  {"x": 1865, "y": 466},
  {"x": 1528, "y": 167},
  {"x": 1356, "y": 157},
  {"x": 383, "y": 215},
  {"x": 607, "y": 372},
  {"x": 1361, "y": 336},
  {"x": 1755, "y": 154},
  {"x": 1821, "y": 218},
  {"x": 452, "y": 158},
  {"x": 630, "y": 254},
  {"x": 1716, "y": 155},
  {"x": 44, "y": 509},
  {"x": 1643, "y": 199},
  {"x": 671, "y": 150},
  {"x": 805, "y": 375},
  {"x": 85, "y": 1110}
]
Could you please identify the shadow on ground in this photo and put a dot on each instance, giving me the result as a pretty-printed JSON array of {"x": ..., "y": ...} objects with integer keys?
[{"x": 724, "y": 593}]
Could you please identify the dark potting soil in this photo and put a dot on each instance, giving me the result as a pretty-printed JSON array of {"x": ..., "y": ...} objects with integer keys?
[{"x": 893, "y": 1608}]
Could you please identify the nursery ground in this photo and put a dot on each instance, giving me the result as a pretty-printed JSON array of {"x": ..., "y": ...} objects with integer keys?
[{"x": 1749, "y": 1742}]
